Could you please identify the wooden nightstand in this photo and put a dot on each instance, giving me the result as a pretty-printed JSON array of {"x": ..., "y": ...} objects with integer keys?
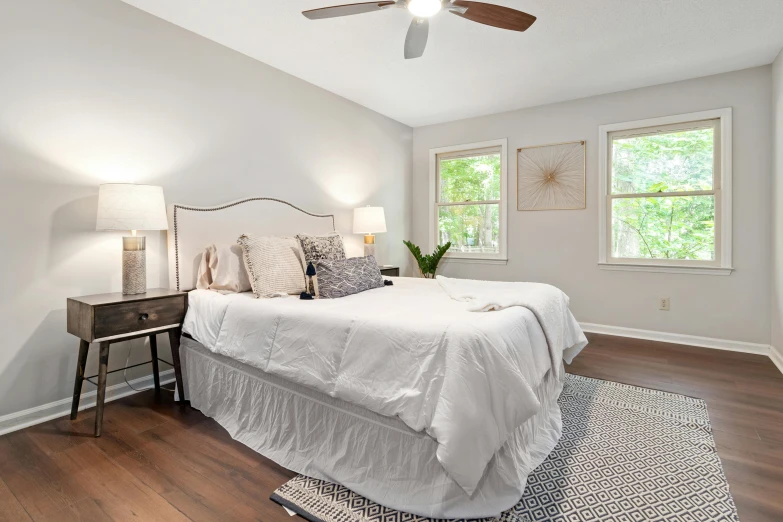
[
  {"x": 111, "y": 318},
  {"x": 390, "y": 271}
]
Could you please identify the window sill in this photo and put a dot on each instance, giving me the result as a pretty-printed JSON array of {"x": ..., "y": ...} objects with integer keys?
[
  {"x": 695, "y": 270},
  {"x": 475, "y": 260}
]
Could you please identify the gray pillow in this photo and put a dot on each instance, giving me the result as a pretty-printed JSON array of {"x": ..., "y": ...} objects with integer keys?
[
  {"x": 321, "y": 247},
  {"x": 314, "y": 248},
  {"x": 341, "y": 277}
]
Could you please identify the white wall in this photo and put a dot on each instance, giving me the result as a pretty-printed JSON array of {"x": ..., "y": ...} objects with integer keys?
[
  {"x": 777, "y": 206},
  {"x": 561, "y": 247},
  {"x": 93, "y": 91}
]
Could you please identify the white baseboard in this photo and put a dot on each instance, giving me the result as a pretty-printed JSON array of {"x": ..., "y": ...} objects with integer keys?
[
  {"x": 777, "y": 357},
  {"x": 38, "y": 414},
  {"x": 690, "y": 340}
]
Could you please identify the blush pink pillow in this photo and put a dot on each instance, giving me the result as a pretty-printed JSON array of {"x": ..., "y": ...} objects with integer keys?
[{"x": 223, "y": 270}]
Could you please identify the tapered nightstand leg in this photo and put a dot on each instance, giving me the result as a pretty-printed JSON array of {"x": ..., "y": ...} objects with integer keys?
[
  {"x": 174, "y": 336},
  {"x": 154, "y": 354},
  {"x": 102, "y": 368},
  {"x": 84, "y": 347}
]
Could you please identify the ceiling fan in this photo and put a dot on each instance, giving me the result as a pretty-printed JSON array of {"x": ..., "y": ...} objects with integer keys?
[{"x": 422, "y": 10}]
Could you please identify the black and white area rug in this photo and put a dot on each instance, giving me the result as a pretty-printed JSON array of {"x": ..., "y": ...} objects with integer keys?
[{"x": 626, "y": 454}]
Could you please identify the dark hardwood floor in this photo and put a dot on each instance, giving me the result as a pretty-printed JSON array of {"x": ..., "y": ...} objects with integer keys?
[{"x": 158, "y": 462}]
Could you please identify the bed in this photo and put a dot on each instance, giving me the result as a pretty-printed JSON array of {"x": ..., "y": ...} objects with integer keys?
[{"x": 399, "y": 393}]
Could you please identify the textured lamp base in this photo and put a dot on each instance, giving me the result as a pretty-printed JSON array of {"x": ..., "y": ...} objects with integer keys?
[
  {"x": 134, "y": 266},
  {"x": 369, "y": 245}
]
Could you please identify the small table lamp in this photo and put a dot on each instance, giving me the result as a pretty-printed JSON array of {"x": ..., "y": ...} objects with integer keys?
[
  {"x": 368, "y": 221},
  {"x": 124, "y": 206}
]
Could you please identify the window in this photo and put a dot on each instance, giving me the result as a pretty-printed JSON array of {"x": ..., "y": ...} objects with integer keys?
[
  {"x": 468, "y": 200},
  {"x": 666, "y": 194}
]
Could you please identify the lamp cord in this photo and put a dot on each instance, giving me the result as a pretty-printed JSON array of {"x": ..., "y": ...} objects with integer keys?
[{"x": 125, "y": 376}]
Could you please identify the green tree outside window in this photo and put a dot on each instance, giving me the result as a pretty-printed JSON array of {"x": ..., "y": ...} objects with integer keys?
[
  {"x": 663, "y": 226},
  {"x": 468, "y": 210}
]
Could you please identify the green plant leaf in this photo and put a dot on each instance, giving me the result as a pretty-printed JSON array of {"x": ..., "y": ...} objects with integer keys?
[{"x": 428, "y": 264}]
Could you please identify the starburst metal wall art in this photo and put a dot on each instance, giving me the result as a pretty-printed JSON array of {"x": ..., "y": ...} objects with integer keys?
[{"x": 551, "y": 177}]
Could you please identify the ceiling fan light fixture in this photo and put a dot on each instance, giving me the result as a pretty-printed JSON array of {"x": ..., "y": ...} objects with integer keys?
[{"x": 424, "y": 8}]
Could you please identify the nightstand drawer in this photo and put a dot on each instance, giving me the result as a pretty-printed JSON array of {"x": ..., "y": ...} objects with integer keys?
[{"x": 124, "y": 318}]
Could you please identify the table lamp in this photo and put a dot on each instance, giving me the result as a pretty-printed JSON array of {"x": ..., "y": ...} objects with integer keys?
[
  {"x": 368, "y": 221},
  {"x": 124, "y": 206}
]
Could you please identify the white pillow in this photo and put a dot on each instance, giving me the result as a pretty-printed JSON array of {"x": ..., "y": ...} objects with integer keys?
[
  {"x": 275, "y": 264},
  {"x": 222, "y": 269}
]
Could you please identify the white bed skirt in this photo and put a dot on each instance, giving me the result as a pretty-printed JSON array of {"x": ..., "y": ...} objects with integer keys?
[{"x": 378, "y": 457}]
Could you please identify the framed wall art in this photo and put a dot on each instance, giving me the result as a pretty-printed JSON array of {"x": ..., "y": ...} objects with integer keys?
[{"x": 551, "y": 177}]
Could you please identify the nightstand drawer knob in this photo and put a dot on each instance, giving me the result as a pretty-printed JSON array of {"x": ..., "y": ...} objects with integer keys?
[{"x": 144, "y": 317}]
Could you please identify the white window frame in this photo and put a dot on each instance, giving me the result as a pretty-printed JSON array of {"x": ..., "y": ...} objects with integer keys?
[
  {"x": 722, "y": 265},
  {"x": 461, "y": 257}
]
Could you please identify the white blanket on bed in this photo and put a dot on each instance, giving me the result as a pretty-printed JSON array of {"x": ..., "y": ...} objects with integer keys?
[
  {"x": 548, "y": 303},
  {"x": 408, "y": 350}
]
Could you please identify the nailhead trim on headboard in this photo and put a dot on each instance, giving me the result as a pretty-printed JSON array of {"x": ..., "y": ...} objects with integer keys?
[{"x": 222, "y": 207}]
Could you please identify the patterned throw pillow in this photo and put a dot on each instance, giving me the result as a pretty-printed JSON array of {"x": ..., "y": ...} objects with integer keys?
[
  {"x": 275, "y": 264},
  {"x": 316, "y": 248},
  {"x": 321, "y": 247},
  {"x": 342, "y": 277}
]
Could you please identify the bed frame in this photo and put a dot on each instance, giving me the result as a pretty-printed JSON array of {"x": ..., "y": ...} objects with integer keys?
[
  {"x": 192, "y": 229},
  {"x": 397, "y": 467}
]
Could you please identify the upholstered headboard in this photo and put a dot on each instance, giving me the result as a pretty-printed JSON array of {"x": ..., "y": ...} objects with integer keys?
[{"x": 191, "y": 229}]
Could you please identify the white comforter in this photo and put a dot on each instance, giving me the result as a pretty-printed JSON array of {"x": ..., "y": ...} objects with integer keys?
[
  {"x": 408, "y": 350},
  {"x": 548, "y": 303}
]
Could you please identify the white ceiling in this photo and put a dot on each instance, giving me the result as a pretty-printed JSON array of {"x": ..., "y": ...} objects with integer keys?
[{"x": 575, "y": 49}]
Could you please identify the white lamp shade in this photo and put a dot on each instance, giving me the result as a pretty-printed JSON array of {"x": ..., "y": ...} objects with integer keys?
[
  {"x": 124, "y": 206},
  {"x": 368, "y": 220}
]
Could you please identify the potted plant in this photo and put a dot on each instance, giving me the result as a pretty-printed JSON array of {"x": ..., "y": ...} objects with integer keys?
[{"x": 428, "y": 264}]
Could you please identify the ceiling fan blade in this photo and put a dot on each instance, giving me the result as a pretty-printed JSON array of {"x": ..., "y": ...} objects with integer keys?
[
  {"x": 416, "y": 39},
  {"x": 494, "y": 15},
  {"x": 345, "y": 10}
]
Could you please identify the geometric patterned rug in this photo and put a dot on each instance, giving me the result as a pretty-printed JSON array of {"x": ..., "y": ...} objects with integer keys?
[{"x": 626, "y": 454}]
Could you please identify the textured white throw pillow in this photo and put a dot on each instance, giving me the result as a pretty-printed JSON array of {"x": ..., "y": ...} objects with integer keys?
[
  {"x": 222, "y": 269},
  {"x": 275, "y": 264}
]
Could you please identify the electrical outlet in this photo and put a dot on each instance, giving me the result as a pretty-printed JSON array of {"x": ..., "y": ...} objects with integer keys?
[{"x": 663, "y": 303}]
